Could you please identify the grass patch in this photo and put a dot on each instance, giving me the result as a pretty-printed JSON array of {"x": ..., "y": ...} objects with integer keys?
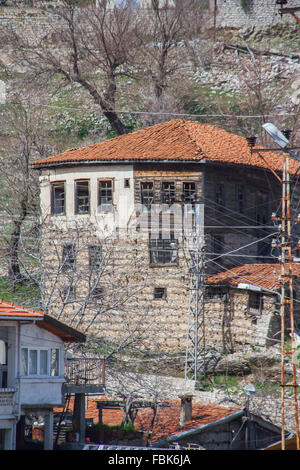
[{"x": 24, "y": 294}]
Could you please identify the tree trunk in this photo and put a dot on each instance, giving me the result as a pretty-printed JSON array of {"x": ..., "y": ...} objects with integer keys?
[{"x": 14, "y": 272}]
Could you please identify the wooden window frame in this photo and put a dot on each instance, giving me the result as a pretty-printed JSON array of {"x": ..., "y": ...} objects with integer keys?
[
  {"x": 76, "y": 205},
  {"x": 52, "y": 198},
  {"x": 103, "y": 180}
]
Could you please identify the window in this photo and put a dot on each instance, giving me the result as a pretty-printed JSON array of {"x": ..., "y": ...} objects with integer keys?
[
  {"x": 82, "y": 197},
  {"x": 147, "y": 194},
  {"x": 163, "y": 251},
  {"x": 217, "y": 244},
  {"x": 160, "y": 293},
  {"x": 126, "y": 183},
  {"x": 189, "y": 192},
  {"x": 218, "y": 294},
  {"x": 255, "y": 303},
  {"x": 219, "y": 196},
  {"x": 68, "y": 257},
  {"x": 95, "y": 256},
  {"x": 261, "y": 207},
  {"x": 97, "y": 294},
  {"x": 44, "y": 362},
  {"x": 58, "y": 198},
  {"x": 54, "y": 362},
  {"x": 167, "y": 192},
  {"x": 240, "y": 198},
  {"x": 264, "y": 250},
  {"x": 35, "y": 362},
  {"x": 105, "y": 193}
]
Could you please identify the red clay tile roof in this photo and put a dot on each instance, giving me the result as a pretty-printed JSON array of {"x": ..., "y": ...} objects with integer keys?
[
  {"x": 176, "y": 140},
  {"x": 12, "y": 311},
  {"x": 9, "y": 310},
  {"x": 166, "y": 423},
  {"x": 261, "y": 275}
]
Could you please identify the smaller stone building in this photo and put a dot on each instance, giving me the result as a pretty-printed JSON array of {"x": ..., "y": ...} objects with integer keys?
[{"x": 244, "y": 304}]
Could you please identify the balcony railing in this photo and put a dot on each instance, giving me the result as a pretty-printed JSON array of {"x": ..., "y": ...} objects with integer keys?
[{"x": 85, "y": 371}]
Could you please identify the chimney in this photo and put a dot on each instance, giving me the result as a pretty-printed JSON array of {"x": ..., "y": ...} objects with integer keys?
[{"x": 185, "y": 409}]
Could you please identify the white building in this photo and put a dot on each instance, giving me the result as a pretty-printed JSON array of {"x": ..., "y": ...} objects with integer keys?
[{"x": 32, "y": 370}]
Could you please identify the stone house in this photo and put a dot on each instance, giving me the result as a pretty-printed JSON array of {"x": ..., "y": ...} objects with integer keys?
[
  {"x": 244, "y": 304},
  {"x": 119, "y": 219}
]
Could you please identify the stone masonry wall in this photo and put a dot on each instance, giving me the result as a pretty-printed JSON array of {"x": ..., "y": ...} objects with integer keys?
[
  {"x": 259, "y": 13},
  {"x": 127, "y": 308}
]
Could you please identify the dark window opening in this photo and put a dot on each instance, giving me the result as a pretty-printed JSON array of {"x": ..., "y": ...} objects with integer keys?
[
  {"x": 147, "y": 194},
  {"x": 97, "y": 294},
  {"x": 163, "y": 251},
  {"x": 167, "y": 192},
  {"x": 216, "y": 293},
  {"x": 189, "y": 192},
  {"x": 217, "y": 244},
  {"x": 58, "y": 199},
  {"x": 264, "y": 250},
  {"x": 219, "y": 196},
  {"x": 95, "y": 256},
  {"x": 240, "y": 198},
  {"x": 82, "y": 197},
  {"x": 255, "y": 302},
  {"x": 126, "y": 183},
  {"x": 105, "y": 193},
  {"x": 159, "y": 293},
  {"x": 68, "y": 257},
  {"x": 262, "y": 215}
]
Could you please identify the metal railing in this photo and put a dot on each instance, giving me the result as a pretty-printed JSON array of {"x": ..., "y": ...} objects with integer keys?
[{"x": 85, "y": 371}]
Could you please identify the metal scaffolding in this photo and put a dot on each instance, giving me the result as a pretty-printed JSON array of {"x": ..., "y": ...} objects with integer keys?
[{"x": 195, "y": 359}]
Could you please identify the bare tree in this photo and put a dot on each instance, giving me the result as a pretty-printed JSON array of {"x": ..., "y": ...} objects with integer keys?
[
  {"x": 19, "y": 195},
  {"x": 92, "y": 46}
]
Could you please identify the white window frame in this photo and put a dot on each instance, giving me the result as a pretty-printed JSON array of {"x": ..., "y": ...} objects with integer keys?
[{"x": 49, "y": 362}]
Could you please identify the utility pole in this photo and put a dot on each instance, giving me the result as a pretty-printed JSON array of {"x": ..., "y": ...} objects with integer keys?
[
  {"x": 195, "y": 360},
  {"x": 286, "y": 278}
]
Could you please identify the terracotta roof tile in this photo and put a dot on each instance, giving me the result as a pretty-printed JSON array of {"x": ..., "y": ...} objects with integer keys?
[
  {"x": 8, "y": 309},
  {"x": 166, "y": 423},
  {"x": 262, "y": 275},
  {"x": 176, "y": 140}
]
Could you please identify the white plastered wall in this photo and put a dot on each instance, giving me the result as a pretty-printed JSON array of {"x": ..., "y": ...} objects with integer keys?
[{"x": 123, "y": 197}]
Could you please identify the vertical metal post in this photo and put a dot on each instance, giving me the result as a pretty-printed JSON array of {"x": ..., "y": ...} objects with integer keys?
[
  {"x": 287, "y": 300},
  {"x": 196, "y": 344}
]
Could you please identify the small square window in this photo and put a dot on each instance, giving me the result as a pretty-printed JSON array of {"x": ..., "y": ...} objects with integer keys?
[
  {"x": 160, "y": 292},
  {"x": 163, "y": 251},
  {"x": 97, "y": 294}
]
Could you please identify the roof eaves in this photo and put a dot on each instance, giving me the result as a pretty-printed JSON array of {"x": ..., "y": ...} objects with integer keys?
[
  {"x": 38, "y": 166},
  {"x": 199, "y": 429}
]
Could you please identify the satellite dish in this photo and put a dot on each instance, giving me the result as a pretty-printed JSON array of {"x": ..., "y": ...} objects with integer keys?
[
  {"x": 250, "y": 389},
  {"x": 276, "y": 135}
]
